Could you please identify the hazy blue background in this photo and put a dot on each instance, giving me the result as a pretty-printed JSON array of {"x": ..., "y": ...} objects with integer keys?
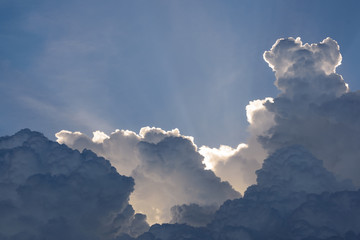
[{"x": 194, "y": 65}]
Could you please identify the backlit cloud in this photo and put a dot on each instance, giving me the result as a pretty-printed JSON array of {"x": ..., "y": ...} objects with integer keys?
[{"x": 167, "y": 168}]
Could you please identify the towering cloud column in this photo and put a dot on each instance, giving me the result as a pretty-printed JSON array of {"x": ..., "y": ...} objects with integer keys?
[{"x": 315, "y": 108}]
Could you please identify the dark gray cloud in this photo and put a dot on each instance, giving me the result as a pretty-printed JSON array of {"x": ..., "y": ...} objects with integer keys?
[
  {"x": 193, "y": 214},
  {"x": 294, "y": 169},
  {"x": 173, "y": 232},
  {"x": 287, "y": 181},
  {"x": 49, "y": 191}
]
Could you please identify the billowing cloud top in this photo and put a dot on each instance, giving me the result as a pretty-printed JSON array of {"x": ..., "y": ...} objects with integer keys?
[{"x": 306, "y": 71}]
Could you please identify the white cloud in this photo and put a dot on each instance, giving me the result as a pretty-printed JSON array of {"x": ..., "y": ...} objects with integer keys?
[
  {"x": 238, "y": 165},
  {"x": 305, "y": 71},
  {"x": 214, "y": 155},
  {"x": 254, "y": 107},
  {"x": 99, "y": 137}
]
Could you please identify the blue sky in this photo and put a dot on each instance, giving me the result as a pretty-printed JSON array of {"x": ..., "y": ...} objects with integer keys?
[{"x": 192, "y": 65}]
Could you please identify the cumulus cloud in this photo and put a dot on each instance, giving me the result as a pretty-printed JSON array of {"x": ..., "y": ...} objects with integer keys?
[
  {"x": 120, "y": 147},
  {"x": 306, "y": 71},
  {"x": 49, "y": 191},
  {"x": 166, "y": 166}
]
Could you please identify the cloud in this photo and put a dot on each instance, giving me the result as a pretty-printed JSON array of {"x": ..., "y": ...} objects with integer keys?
[
  {"x": 166, "y": 166},
  {"x": 304, "y": 140},
  {"x": 48, "y": 191}
]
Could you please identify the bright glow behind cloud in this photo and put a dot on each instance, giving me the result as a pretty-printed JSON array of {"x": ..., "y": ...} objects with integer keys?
[
  {"x": 255, "y": 106},
  {"x": 99, "y": 137},
  {"x": 213, "y": 155}
]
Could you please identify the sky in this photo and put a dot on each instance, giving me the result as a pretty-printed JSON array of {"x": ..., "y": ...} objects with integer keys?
[
  {"x": 170, "y": 120},
  {"x": 191, "y": 65}
]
